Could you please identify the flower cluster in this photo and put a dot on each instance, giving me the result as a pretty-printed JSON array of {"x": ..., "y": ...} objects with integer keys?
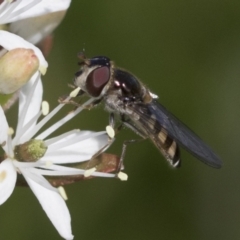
[{"x": 27, "y": 153}]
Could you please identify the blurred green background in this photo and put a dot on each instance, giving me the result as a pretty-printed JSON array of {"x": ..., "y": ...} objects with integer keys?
[{"x": 187, "y": 52}]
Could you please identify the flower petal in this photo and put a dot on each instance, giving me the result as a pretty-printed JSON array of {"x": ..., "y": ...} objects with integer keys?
[
  {"x": 36, "y": 99},
  {"x": 37, "y": 28},
  {"x": 10, "y": 9},
  {"x": 4, "y": 130},
  {"x": 33, "y": 8},
  {"x": 30, "y": 98},
  {"x": 11, "y": 41},
  {"x": 8, "y": 176},
  {"x": 79, "y": 150},
  {"x": 55, "y": 208}
]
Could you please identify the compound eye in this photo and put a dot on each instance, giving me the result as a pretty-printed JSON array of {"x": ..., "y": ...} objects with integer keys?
[{"x": 97, "y": 80}]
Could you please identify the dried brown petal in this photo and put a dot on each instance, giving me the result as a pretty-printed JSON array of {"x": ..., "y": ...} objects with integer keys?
[{"x": 105, "y": 162}]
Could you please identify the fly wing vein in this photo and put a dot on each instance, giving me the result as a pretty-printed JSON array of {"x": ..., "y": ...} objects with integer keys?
[{"x": 155, "y": 117}]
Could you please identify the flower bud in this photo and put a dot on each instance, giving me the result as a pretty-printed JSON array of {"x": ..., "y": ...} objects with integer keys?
[
  {"x": 30, "y": 151},
  {"x": 16, "y": 69}
]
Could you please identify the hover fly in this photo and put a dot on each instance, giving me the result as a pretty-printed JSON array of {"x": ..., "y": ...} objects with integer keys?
[{"x": 124, "y": 95}]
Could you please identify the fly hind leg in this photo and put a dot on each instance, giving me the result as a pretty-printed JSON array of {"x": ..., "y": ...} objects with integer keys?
[{"x": 127, "y": 123}]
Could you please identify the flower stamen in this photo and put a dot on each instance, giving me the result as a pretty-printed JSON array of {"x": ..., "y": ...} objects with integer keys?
[
  {"x": 122, "y": 176},
  {"x": 75, "y": 92},
  {"x": 89, "y": 172},
  {"x": 45, "y": 108},
  {"x": 110, "y": 131},
  {"x": 62, "y": 121},
  {"x": 10, "y": 131},
  {"x": 62, "y": 193}
]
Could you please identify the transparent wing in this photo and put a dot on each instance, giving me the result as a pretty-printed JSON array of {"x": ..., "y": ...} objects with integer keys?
[{"x": 154, "y": 117}]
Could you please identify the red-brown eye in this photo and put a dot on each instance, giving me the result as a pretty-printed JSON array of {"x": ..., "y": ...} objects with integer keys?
[{"x": 96, "y": 81}]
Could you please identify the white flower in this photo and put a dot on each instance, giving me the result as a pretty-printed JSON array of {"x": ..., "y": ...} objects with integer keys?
[
  {"x": 22, "y": 61},
  {"x": 10, "y": 41},
  {"x": 11, "y": 11},
  {"x": 33, "y": 19},
  {"x": 27, "y": 154},
  {"x": 71, "y": 147}
]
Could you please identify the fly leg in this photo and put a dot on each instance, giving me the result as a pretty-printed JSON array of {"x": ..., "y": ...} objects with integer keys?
[
  {"x": 127, "y": 123},
  {"x": 110, "y": 139},
  {"x": 123, "y": 153},
  {"x": 64, "y": 100}
]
